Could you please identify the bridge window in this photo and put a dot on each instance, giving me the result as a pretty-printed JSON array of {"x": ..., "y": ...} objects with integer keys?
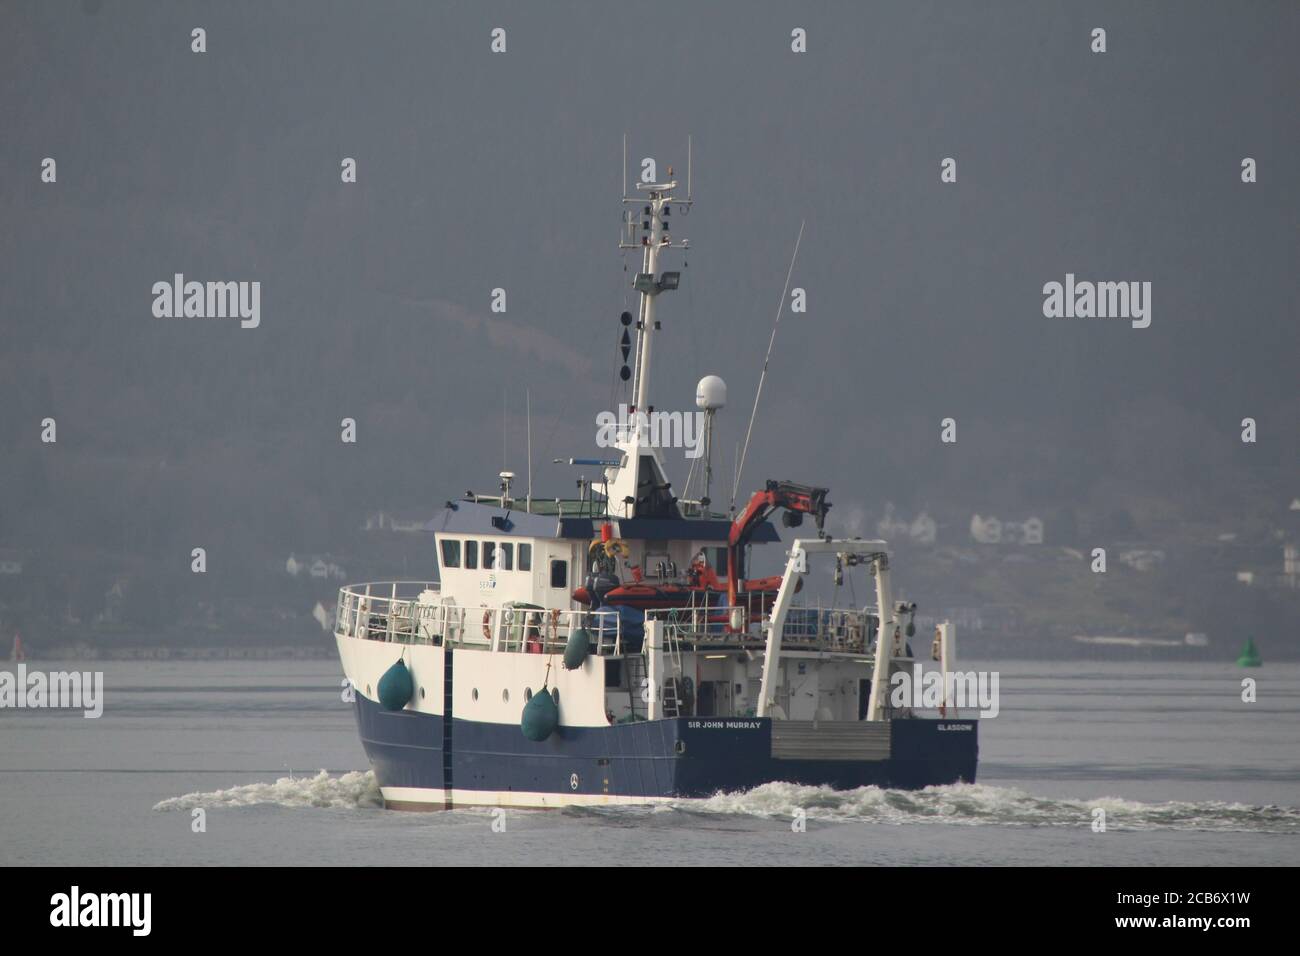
[
  {"x": 525, "y": 557},
  {"x": 507, "y": 557},
  {"x": 471, "y": 554},
  {"x": 489, "y": 555},
  {"x": 450, "y": 553},
  {"x": 559, "y": 573}
]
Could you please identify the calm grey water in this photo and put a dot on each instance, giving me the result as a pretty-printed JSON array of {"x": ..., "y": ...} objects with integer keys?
[{"x": 1187, "y": 772}]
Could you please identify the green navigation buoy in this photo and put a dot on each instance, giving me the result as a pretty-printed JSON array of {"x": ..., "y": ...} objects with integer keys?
[{"x": 1249, "y": 655}]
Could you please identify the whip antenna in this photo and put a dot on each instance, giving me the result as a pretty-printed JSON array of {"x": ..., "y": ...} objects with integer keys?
[
  {"x": 740, "y": 467},
  {"x": 528, "y": 399}
]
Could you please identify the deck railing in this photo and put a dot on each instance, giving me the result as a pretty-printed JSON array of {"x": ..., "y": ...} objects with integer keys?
[
  {"x": 831, "y": 629},
  {"x": 806, "y": 628},
  {"x": 410, "y": 612}
]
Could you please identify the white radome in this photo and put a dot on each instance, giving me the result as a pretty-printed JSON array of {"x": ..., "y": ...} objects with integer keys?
[{"x": 711, "y": 393}]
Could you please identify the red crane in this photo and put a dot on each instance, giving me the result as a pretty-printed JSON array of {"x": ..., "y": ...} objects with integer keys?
[{"x": 798, "y": 500}]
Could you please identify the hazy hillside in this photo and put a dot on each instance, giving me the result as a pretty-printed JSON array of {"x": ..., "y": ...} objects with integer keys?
[{"x": 925, "y": 301}]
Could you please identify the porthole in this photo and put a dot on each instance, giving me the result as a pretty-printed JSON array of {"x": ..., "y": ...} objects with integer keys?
[
  {"x": 555, "y": 695},
  {"x": 421, "y": 693},
  {"x": 528, "y": 694},
  {"x": 474, "y": 694},
  {"x": 368, "y": 690},
  {"x": 505, "y": 696}
]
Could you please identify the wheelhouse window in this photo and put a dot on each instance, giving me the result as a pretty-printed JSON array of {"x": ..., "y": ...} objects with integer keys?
[
  {"x": 489, "y": 555},
  {"x": 506, "y": 556},
  {"x": 525, "y": 557},
  {"x": 450, "y": 553},
  {"x": 559, "y": 573},
  {"x": 471, "y": 554}
]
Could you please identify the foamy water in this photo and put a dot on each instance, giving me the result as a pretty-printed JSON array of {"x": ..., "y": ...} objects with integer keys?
[
  {"x": 987, "y": 805},
  {"x": 957, "y": 805},
  {"x": 354, "y": 790}
]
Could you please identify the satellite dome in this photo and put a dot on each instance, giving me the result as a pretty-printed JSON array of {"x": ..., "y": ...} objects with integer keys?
[{"x": 711, "y": 393}]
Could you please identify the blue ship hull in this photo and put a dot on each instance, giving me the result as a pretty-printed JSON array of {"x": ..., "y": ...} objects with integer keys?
[{"x": 677, "y": 757}]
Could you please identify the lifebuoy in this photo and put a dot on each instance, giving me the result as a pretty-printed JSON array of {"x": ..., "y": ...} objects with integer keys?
[{"x": 487, "y": 623}]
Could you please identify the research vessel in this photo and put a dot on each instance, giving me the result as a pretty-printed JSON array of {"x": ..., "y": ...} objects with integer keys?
[{"x": 611, "y": 648}]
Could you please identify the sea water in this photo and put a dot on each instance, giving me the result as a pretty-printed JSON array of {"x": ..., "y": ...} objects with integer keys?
[{"x": 1185, "y": 771}]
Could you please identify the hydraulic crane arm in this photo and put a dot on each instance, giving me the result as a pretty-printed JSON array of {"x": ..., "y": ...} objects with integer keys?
[{"x": 797, "y": 499}]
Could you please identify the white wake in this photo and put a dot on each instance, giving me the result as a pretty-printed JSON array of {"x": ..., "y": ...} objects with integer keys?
[
  {"x": 957, "y": 805},
  {"x": 981, "y": 804},
  {"x": 353, "y": 790}
]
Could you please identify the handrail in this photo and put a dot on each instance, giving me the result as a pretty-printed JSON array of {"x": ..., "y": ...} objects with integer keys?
[
  {"x": 366, "y": 612},
  {"x": 818, "y": 628},
  {"x": 394, "y": 611}
]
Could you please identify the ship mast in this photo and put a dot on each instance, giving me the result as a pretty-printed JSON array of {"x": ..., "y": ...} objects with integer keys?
[
  {"x": 647, "y": 225},
  {"x": 654, "y": 223}
]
